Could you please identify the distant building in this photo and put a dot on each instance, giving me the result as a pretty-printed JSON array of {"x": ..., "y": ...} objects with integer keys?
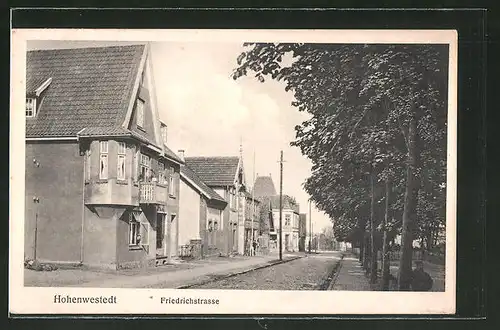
[
  {"x": 202, "y": 210},
  {"x": 265, "y": 191},
  {"x": 225, "y": 175},
  {"x": 264, "y": 187}
]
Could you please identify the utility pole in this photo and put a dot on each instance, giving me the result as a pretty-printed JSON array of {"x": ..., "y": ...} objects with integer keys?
[
  {"x": 281, "y": 206},
  {"x": 253, "y": 203},
  {"x": 310, "y": 227}
]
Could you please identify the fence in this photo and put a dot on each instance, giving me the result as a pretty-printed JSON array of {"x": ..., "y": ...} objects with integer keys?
[{"x": 434, "y": 258}]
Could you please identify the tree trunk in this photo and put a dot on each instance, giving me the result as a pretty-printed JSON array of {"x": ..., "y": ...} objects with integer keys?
[
  {"x": 367, "y": 257},
  {"x": 373, "y": 263},
  {"x": 386, "y": 261},
  {"x": 361, "y": 250},
  {"x": 410, "y": 205}
]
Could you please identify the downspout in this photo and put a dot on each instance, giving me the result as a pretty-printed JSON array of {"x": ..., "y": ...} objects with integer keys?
[{"x": 85, "y": 160}]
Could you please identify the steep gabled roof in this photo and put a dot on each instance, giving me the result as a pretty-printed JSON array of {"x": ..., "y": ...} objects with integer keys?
[
  {"x": 214, "y": 171},
  {"x": 195, "y": 180},
  {"x": 90, "y": 87},
  {"x": 264, "y": 186}
]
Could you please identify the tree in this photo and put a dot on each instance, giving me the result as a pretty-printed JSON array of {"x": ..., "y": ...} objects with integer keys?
[{"x": 377, "y": 113}]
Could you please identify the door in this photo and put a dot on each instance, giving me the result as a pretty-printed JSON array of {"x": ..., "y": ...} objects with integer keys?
[
  {"x": 160, "y": 234},
  {"x": 173, "y": 235},
  {"x": 234, "y": 240},
  {"x": 287, "y": 242}
]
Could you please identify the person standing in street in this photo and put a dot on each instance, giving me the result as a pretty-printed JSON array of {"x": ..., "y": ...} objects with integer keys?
[{"x": 254, "y": 247}]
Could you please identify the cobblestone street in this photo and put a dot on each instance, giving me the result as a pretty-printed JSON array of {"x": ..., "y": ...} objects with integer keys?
[{"x": 308, "y": 273}]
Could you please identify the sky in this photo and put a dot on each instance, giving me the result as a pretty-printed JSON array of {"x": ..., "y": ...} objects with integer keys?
[{"x": 210, "y": 114}]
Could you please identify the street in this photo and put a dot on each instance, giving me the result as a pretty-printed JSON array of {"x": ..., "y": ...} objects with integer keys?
[{"x": 307, "y": 273}]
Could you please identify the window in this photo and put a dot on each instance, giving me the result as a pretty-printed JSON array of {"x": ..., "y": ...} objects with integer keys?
[
  {"x": 120, "y": 165},
  {"x": 145, "y": 173},
  {"x": 171, "y": 188},
  {"x": 287, "y": 220},
  {"x": 134, "y": 231},
  {"x": 103, "y": 160},
  {"x": 122, "y": 148},
  {"x": 161, "y": 173},
  {"x": 139, "y": 105},
  {"x": 30, "y": 107}
]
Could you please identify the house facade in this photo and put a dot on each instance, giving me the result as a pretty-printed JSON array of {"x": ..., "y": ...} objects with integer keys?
[
  {"x": 263, "y": 190},
  {"x": 102, "y": 187},
  {"x": 252, "y": 221},
  {"x": 290, "y": 222},
  {"x": 202, "y": 212},
  {"x": 226, "y": 176}
]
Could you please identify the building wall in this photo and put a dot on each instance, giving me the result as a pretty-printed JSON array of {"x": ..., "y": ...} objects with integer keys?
[
  {"x": 214, "y": 239},
  {"x": 100, "y": 242},
  {"x": 58, "y": 183},
  {"x": 291, "y": 230},
  {"x": 173, "y": 209},
  {"x": 189, "y": 227}
]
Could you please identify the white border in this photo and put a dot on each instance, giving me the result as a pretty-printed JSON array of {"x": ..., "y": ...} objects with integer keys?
[{"x": 29, "y": 300}]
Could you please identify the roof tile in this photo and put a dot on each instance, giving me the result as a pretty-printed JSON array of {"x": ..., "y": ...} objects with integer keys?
[
  {"x": 196, "y": 180},
  {"x": 214, "y": 171},
  {"x": 90, "y": 87}
]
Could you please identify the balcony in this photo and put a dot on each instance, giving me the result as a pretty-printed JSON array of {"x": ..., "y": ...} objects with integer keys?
[{"x": 152, "y": 193}]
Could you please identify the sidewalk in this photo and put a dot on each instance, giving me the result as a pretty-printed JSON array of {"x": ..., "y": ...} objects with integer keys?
[
  {"x": 350, "y": 276},
  {"x": 169, "y": 276}
]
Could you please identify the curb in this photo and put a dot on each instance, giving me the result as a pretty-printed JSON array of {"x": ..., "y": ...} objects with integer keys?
[
  {"x": 336, "y": 275},
  {"x": 223, "y": 277}
]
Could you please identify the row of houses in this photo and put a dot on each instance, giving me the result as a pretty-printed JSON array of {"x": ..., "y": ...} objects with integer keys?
[{"x": 104, "y": 189}]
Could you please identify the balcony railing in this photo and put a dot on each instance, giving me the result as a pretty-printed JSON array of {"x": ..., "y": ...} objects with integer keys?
[{"x": 151, "y": 193}]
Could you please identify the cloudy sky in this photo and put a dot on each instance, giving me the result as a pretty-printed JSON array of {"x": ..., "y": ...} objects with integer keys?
[{"x": 210, "y": 114}]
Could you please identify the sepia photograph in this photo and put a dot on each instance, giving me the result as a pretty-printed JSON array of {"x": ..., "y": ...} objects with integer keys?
[{"x": 204, "y": 164}]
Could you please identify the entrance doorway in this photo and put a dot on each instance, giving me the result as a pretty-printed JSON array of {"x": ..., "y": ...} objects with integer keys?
[
  {"x": 160, "y": 234},
  {"x": 287, "y": 242}
]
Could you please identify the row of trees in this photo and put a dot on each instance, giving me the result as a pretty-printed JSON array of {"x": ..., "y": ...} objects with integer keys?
[{"x": 376, "y": 138}]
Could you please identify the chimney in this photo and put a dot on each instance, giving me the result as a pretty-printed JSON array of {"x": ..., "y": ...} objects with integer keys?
[{"x": 180, "y": 153}]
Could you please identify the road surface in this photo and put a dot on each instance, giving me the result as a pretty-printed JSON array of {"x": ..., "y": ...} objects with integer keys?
[{"x": 307, "y": 273}]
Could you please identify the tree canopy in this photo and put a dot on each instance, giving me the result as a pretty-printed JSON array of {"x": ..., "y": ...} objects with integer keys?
[{"x": 375, "y": 110}]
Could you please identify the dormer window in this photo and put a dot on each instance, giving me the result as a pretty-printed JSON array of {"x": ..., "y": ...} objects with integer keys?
[
  {"x": 34, "y": 89},
  {"x": 140, "y": 112},
  {"x": 30, "y": 107}
]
